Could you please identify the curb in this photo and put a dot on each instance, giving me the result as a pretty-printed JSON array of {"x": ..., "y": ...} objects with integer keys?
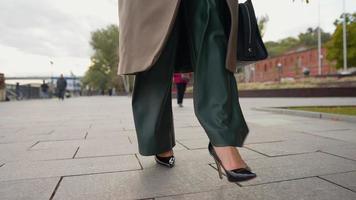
[{"x": 310, "y": 114}]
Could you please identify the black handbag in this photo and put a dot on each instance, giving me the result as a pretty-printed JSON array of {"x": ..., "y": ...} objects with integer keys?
[{"x": 250, "y": 47}]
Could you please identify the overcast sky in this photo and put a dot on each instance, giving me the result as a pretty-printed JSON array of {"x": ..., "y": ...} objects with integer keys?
[{"x": 34, "y": 32}]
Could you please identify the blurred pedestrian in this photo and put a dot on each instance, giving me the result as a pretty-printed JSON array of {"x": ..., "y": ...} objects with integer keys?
[
  {"x": 61, "y": 87},
  {"x": 181, "y": 80},
  {"x": 17, "y": 91},
  {"x": 44, "y": 89}
]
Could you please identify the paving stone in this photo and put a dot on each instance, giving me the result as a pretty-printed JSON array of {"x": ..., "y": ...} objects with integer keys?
[
  {"x": 41, "y": 154},
  {"x": 270, "y": 121},
  {"x": 297, "y": 166},
  {"x": 347, "y": 151},
  {"x": 56, "y": 168},
  {"x": 109, "y": 119},
  {"x": 347, "y": 180},
  {"x": 190, "y": 133},
  {"x": 310, "y": 189},
  {"x": 21, "y": 138},
  {"x": 57, "y": 144},
  {"x": 313, "y": 125},
  {"x": 106, "y": 148},
  {"x": 195, "y": 143},
  {"x": 152, "y": 182},
  {"x": 305, "y": 144},
  {"x": 33, "y": 189},
  {"x": 8, "y": 151},
  {"x": 67, "y": 134},
  {"x": 348, "y": 135},
  {"x": 109, "y": 135}
]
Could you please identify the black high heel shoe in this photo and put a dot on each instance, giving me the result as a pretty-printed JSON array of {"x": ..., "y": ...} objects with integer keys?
[
  {"x": 236, "y": 175},
  {"x": 165, "y": 161}
]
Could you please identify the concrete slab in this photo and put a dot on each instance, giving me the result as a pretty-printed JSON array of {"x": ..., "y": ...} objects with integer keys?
[
  {"x": 347, "y": 180},
  {"x": 347, "y": 151},
  {"x": 68, "y": 167},
  {"x": 57, "y": 144},
  {"x": 106, "y": 148},
  {"x": 32, "y": 189},
  {"x": 297, "y": 166},
  {"x": 305, "y": 144},
  {"x": 347, "y": 135},
  {"x": 99, "y": 174},
  {"x": 310, "y": 188},
  {"x": 41, "y": 154},
  {"x": 152, "y": 182}
]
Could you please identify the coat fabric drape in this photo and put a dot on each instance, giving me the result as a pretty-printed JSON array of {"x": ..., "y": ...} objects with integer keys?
[{"x": 145, "y": 27}]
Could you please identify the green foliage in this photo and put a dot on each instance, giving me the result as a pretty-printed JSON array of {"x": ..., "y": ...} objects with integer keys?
[
  {"x": 262, "y": 24},
  {"x": 102, "y": 74},
  {"x": 308, "y": 39},
  {"x": 335, "y": 46}
]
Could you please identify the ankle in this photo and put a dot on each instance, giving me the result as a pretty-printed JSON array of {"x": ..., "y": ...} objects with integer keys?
[
  {"x": 230, "y": 157},
  {"x": 166, "y": 154}
]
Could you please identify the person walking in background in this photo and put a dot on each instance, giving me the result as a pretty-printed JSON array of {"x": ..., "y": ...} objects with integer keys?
[
  {"x": 44, "y": 89},
  {"x": 17, "y": 91},
  {"x": 156, "y": 37},
  {"x": 181, "y": 80},
  {"x": 61, "y": 87}
]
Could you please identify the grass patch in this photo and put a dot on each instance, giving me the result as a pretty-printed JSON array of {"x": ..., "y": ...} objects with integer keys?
[
  {"x": 310, "y": 82},
  {"x": 343, "y": 110}
]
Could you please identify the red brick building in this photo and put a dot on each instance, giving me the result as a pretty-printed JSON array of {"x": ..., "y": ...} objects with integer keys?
[{"x": 290, "y": 65}]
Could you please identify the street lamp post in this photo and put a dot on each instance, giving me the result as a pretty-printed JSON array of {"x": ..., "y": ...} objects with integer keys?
[
  {"x": 319, "y": 42},
  {"x": 279, "y": 66},
  {"x": 345, "y": 36}
]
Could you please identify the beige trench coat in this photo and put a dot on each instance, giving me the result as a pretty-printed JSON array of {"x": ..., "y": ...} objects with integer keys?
[{"x": 144, "y": 29}]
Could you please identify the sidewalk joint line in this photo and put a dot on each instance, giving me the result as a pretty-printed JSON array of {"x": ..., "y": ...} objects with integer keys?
[
  {"x": 249, "y": 148},
  {"x": 139, "y": 162},
  {"x": 56, "y": 188},
  {"x": 336, "y": 184},
  {"x": 128, "y": 137},
  {"x": 183, "y": 145},
  {"x": 277, "y": 156},
  {"x": 102, "y": 156},
  {"x": 86, "y": 135},
  {"x": 336, "y": 155},
  {"x": 280, "y": 181},
  {"x": 98, "y": 173},
  {"x": 268, "y": 142},
  {"x": 321, "y": 136},
  {"x": 75, "y": 152},
  {"x": 29, "y": 148}
]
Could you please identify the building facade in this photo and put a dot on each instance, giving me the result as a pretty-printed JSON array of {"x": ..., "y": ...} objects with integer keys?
[{"x": 291, "y": 65}]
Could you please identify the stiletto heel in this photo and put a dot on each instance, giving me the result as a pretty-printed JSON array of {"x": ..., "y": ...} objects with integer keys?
[
  {"x": 219, "y": 169},
  {"x": 236, "y": 175}
]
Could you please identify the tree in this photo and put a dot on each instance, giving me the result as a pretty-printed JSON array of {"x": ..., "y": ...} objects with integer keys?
[
  {"x": 309, "y": 38},
  {"x": 335, "y": 46},
  {"x": 262, "y": 22},
  {"x": 102, "y": 74}
]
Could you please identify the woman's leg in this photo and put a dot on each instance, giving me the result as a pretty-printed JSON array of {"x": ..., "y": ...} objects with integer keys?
[
  {"x": 152, "y": 102},
  {"x": 215, "y": 90}
]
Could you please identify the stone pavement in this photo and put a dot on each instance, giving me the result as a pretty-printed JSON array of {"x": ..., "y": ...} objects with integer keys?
[{"x": 86, "y": 148}]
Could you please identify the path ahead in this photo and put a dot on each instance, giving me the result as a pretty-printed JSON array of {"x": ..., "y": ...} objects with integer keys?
[{"x": 86, "y": 148}]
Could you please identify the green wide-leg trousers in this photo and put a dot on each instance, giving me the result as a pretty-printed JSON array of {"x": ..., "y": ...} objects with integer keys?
[{"x": 216, "y": 102}]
